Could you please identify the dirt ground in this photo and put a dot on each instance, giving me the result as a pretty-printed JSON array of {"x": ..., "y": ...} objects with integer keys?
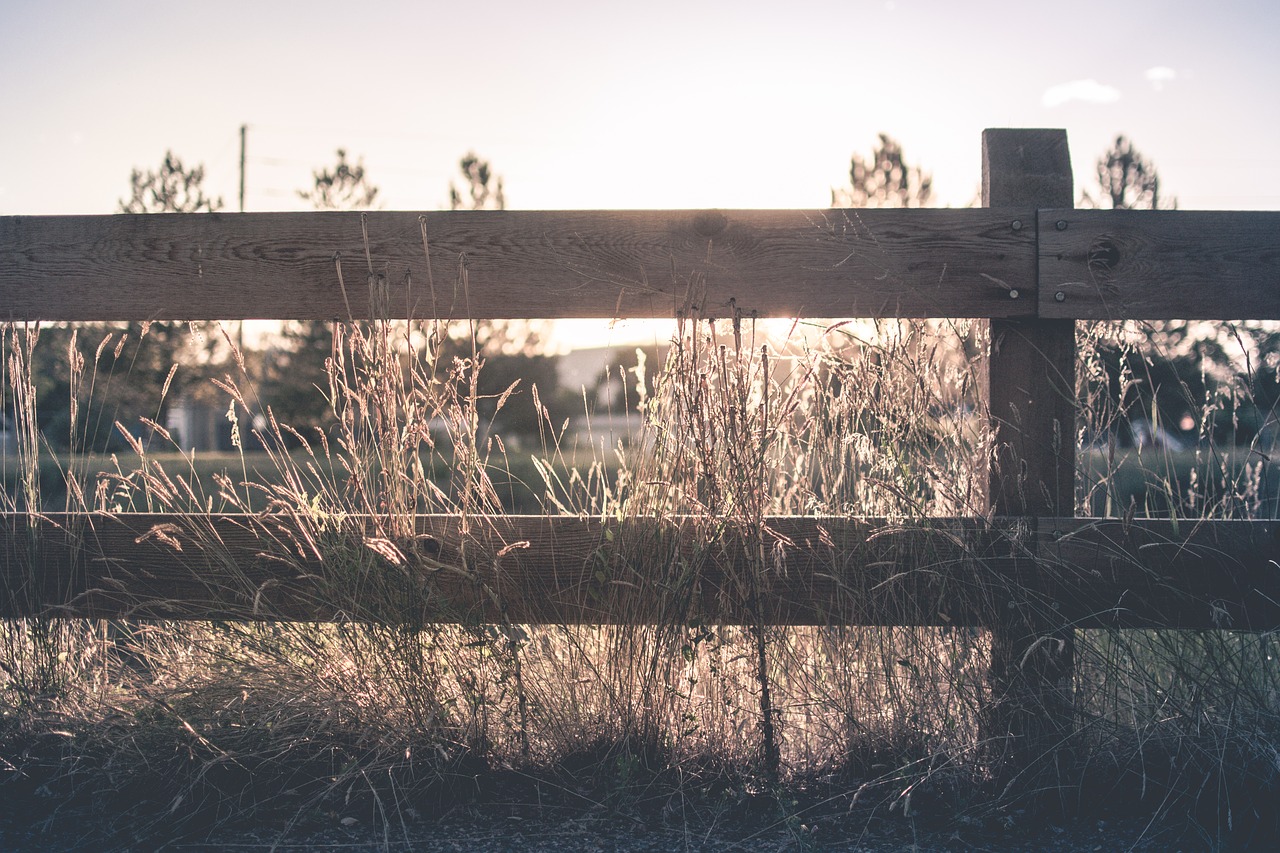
[
  {"x": 564, "y": 838},
  {"x": 518, "y": 812},
  {"x": 484, "y": 831}
]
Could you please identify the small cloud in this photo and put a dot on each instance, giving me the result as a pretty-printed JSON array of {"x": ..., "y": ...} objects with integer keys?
[
  {"x": 1089, "y": 91},
  {"x": 1160, "y": 75}
]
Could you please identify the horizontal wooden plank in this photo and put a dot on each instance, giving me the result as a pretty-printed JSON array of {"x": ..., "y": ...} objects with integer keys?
[
  {"x": 782, "y": 263},
  {"x": 531, "y": 568},
  {"x": 1159, "y": 265},
  {"x": 535, "y": 569},
  {"x": 1188, "y": 573}
]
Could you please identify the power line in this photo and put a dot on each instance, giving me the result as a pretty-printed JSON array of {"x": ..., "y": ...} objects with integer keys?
[
  {"x": 419, "y": 136},
  {"x": 280, "y": 161},
  {"x": 347, "y": 131}
]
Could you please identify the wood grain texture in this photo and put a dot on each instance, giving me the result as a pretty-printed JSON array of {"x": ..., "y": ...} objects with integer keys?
[
  {"x": 1026, "y": 166},
  {"x": 529, "y": 569},
  {"x": 1033, "y": 408},
  {"x": 1031, "y": 369},
  {"x": 1031, "y": 386},
  {"x": 533, "y": 569},
  {"x": 1150, "y": 573},
  {"x": 1159, "y": 265},
  {"x": 824, "y": 263}
]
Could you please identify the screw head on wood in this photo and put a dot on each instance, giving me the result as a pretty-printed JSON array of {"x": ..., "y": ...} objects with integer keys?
[
  {"x": 1017, "y": 225},
  {"x": 1060, "y": 296},
  {"x": 1061, "y": 225},
  {"x": 1013, "y": 293}
]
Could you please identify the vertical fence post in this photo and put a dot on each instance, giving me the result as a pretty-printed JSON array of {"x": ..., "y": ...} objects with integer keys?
[{"x": 1031, "y": 391}]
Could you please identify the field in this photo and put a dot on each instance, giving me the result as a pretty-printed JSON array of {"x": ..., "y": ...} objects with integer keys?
[{"x": 389, "y": 726}]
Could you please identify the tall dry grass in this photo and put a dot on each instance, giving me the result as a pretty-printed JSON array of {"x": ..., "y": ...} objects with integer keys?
[{"x": 399, "y": 709}]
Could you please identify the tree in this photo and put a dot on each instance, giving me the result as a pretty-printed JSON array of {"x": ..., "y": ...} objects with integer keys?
[
  {"x": 484, "y": 192},
  {"x": 1126, "y": 181},
  {"x": 172, "y": 188},
  {"x": 1173, "y": 372},
  {"x": 1153, "y": 377},
  {"x": 506, "y": 349},
  {"x": 484, "y": 188},
  {"x": 344, "y": 187},
  {"x": 884, "y": 180},
  {"x": 887, "y": 179},
  {"x": 152, "y": 349},
  {"x": 129, "y": 368},
  {"x": 296, "y": 375}
]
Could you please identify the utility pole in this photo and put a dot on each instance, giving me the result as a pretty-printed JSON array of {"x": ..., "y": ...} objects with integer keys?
[{"x": 244, "y": 131}]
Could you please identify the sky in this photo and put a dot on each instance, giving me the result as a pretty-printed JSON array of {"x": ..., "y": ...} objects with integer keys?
[
  {"x": 606, "y": 105},
  {"x": 594, "y": 105}
]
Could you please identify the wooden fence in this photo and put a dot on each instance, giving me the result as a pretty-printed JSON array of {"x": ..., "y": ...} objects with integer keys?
[{"x": 1027, "y": 261}]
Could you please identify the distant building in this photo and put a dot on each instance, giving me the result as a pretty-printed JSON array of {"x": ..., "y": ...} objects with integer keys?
[
  {"x": 604, "y": 378},
  {"x": 198, "y": 424},
  {"x": 8, "y": 438}
]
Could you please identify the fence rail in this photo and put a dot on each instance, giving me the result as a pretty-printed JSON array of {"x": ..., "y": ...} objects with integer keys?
[
  {"x": 1159, "y": 265},
  {"x": 520, "y": 264},
  {"x": 822, "y": 263},
  {"x": 1093, "y": 573}
]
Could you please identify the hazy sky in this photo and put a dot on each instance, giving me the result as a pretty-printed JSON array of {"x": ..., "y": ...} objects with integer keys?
[{"x": 638, "y": 105}]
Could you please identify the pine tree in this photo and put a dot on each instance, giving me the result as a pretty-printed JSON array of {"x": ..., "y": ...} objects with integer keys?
[
  {"x": 484, "y": 188},
  {"x": 296, "y": 378},
  {"x": 172, "y": 188},
  {"x": 344, "y": 187},
  {"x": 885, "y": 179},
  {"x": 1126, "y": 181}
]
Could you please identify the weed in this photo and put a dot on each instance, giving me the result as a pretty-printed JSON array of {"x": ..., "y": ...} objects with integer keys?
[{"x": 420, "y": 690}]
